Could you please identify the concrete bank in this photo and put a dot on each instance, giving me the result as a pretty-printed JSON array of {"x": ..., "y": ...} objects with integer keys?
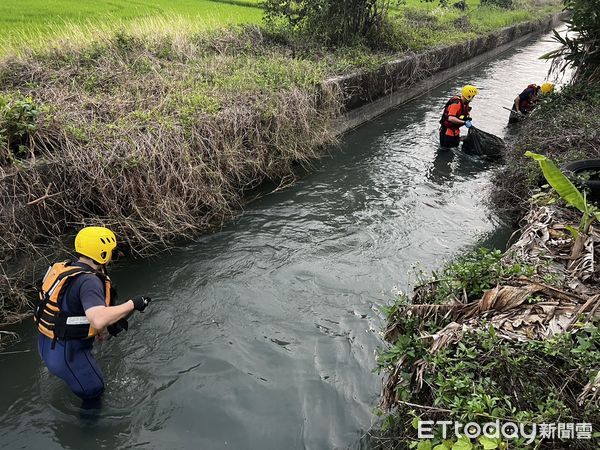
[{"x": 369, "y": 94}]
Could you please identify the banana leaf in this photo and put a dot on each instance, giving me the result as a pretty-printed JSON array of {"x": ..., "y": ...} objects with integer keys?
[{"x": 559, "y": 181}]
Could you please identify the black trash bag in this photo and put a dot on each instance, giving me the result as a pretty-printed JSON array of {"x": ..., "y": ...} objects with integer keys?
[{"x": 483, "y": 144}]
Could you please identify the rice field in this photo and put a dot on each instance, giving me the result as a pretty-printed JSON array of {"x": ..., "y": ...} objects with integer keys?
[{"x": 35, "y": 23}]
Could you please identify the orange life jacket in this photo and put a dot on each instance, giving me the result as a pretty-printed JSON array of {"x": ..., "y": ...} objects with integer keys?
[
  {"x": 464, "y": 111},
  {"x": 49, "y": 317}
]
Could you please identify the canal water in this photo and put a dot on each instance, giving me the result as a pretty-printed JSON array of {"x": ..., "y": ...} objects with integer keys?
[{"x": 263, "y": 335}]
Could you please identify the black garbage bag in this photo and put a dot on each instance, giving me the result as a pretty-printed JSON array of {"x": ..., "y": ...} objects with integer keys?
[{"x": 483, "y": 144}]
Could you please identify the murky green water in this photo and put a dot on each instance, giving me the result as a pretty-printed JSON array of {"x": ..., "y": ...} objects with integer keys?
[{"x": 262, "y": 336}]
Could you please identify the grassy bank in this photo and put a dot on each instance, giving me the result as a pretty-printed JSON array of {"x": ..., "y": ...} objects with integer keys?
[
  {"x": 507, "y": 336},
  {"x": 158, "y": 129},
  {"x": 493, "y": 337},
  {"x": 564, "y": 128},
  {"x": 420, "y": 25},
  {"x": 156, "y": 136}
]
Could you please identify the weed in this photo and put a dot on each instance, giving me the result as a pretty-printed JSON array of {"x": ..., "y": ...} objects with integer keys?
[
  {"x": 483, "y": 378},
  {"x": 472, "y": 274},
  {"x": 18, "y": 121}
]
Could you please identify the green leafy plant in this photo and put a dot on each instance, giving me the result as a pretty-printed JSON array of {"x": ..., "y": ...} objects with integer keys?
[
  {"x": 484, "y": 377},
  {"x": 567, "y": 191},
  {"x": 473, "y": 273},
  {"x": 18, "y": 120},
  {"x": 579, "y": 47}
]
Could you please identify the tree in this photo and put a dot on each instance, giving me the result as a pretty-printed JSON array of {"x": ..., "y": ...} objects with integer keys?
[
  {"x": 329, "y": 21},
  {"x": 580, "y": 47}
]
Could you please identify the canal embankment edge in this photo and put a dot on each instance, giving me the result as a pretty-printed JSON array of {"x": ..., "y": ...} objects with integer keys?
[{"x": 369, "y": 94}]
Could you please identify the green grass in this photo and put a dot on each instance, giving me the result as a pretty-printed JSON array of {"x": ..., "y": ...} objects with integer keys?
[
  {"x": 419, "y": 25},
  {"x": 32, "y": 23}
]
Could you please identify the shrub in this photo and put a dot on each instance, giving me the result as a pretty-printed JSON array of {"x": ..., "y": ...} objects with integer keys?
[
  {"x": 328, "y": 21},
  {"x": 506, "y": 4},
  {"x": 18, "y": 119}
]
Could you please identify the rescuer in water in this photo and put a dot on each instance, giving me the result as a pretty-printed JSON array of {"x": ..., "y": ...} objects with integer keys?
[
  {"x": 526, "y": 100},
  {"x": 456, "y": 114},
  {"x": 77, "y": 306}
]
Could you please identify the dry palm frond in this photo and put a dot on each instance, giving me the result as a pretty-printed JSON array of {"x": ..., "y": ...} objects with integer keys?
[
  {"x": 582, "y": 266},
  {"x": 393, "y": 379}
]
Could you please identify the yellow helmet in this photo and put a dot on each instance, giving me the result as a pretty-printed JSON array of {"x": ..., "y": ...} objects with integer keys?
[
  {"x": 547, "y": 87},
  {"x": 468, "y": 92},
  {"x": 96, "y": 243}
]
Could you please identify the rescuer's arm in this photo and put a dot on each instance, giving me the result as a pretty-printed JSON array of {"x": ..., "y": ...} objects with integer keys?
[
  {"x": 456, "y": 120},
  {"x": 453, "y": 111},
  {"x": 102, "y": 316},
  {"x": 517, "y": 103}
]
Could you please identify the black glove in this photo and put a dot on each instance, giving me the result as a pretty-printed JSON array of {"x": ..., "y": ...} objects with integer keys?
[
  {"x": 140, "y": 303},
  {"x": 117, "y": 327}
]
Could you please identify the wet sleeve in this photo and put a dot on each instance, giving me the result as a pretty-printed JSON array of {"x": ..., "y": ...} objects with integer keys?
[
  {"x": 454, "y": 109},
  {"x": 91, "y": 292}
]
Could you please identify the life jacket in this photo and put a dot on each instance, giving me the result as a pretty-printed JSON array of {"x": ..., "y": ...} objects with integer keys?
[
  {"x": 464, "y": 111},
  {"x": 49, "y": 315}
]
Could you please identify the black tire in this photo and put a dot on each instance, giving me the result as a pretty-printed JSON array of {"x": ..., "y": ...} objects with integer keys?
[{"x": 573, "y": 169}]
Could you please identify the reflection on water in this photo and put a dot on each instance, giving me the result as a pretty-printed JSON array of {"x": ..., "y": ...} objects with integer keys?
[
  {"x": 263, "y": 334},
  {"x": 440, "y": 171}
]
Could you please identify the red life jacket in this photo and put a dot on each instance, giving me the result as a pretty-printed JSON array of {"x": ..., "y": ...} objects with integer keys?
[
  {"x": 527, "y": 105},
  {"x": 464, "y": 111}
]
